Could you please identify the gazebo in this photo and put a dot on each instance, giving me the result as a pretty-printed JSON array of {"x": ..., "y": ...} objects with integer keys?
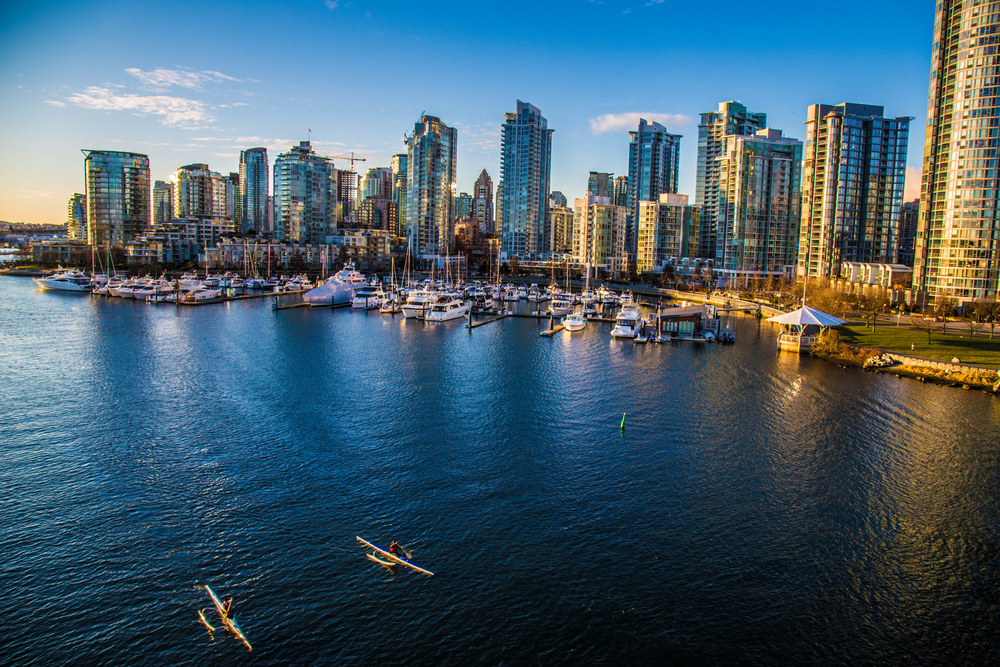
[{"x": 800, "y": 328}]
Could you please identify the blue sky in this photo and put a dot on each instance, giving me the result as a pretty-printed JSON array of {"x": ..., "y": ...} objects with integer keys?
[{"x": 197, "y": 82}]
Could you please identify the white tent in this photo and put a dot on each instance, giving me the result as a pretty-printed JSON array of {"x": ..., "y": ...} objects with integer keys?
[{"x": 806, "y": 315}]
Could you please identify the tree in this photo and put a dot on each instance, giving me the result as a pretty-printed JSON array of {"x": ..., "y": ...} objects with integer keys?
[
  {"x": 871, "y": 306},
  {"x": 921, "y": 323},
  {"x": 987, "y": 312},
  {"x": 944, "y": 308}
]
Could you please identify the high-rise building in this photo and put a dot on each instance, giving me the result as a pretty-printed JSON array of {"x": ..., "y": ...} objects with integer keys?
[
  {"x": 199, "y": 192},
  {"x": 598, "y": 233},
  {"x": 431, "y": 163},
  {"x": 560, "y": 226},
  {"x": 525, "y": 167},
  {"x": 732, "y": 118},
  {"x": 667, "y": 230},
  {"x": 377, "y": 182},
  {"x": 909, "y": 216},
  {"x": 957, "y": 253},
  {"x": 463, "y": 206},
  {"x": 557, "y": 198},
  {"x": 253, "y": 190},
  {"x": 400, "y": 192},
  {"x": 498, "y": 210},
  {"x": 759, "y": 204},
  {"x": 377, "y": 209},
  {"x": 620, "y": 195},
  {"x": 118, "y": 196},
  {"x": 163, "y": 203},
  {"x": 482, "y": 204},
  {"x": 653, "y": 159},
  {"x": 305, "y": 196},
  {"x": 76, "y": 217},
  {"x": 601, "y": 184},
  {"x": 233, "y": 198},
  {"x": 853, "y": 175},
  {"x": 347, "y": 198}
]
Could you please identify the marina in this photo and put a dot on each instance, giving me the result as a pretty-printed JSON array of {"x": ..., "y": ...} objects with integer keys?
[{"x": 750, "y": 507}]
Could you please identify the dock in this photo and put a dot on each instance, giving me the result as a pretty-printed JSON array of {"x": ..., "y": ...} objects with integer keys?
[
  {"x": 473, "y": 325},
  {"x": 548, "y": 333}
]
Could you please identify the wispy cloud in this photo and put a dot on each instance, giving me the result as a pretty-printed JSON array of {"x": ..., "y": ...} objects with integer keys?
[
  {"x": 332, "y": 4},
  {"x": 36, "y": 194},
  {"x": 611, "y": 122},
  {"x": 55, "y": 103},
  {"x": 484, "y": 136},
  {"x": 162, "y": 79},
  {"x": 176, "y": 111}
]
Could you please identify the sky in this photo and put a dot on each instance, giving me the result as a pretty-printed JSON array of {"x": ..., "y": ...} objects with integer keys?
[{"x": 187, "y": 82}]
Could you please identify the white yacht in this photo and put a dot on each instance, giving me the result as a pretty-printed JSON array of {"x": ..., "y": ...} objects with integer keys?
[
  {"x": 447, "y": 308},
  {"x": 66, "y": 281},
  {"x": 629, "y": 322},
  {"x": 561, "y": 305},
  {"x": 418, "y": 302},
  {"x": 510, "y": 293},
  {"x": 201, "y": 294},
  {"x": 368, "y": 297},
  {"x": 574, "y": 322},
  {"x": 338, "y": 288}
]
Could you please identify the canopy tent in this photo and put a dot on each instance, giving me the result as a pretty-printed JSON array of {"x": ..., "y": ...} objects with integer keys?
[{"x": 805, "y": 316}]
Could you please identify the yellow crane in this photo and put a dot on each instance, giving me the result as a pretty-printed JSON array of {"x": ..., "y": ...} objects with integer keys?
[{"x": 350, "y": 158}]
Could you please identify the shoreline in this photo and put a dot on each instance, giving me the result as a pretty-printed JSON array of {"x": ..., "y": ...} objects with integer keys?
[{"x": 924, "y": 370}]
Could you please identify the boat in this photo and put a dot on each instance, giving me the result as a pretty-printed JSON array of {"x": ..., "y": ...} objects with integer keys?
[
  {"x": 418, "y": 302},
  {"x": 385, "y": 553},
  {"x": 447, "y": 308},
  {"x": 574, "y": 322},
  {"x": 337, "y": 289},
  {"x": 72, "y": 280},
  {"x": 201, "y": 294},
  {"x": 561, "y": 305},
  {"x": 368, "y": 297},
  {"x": 376, "y": 559},
  {"x": 227, "y": 620},
  {"x": 629, "y": 322}
]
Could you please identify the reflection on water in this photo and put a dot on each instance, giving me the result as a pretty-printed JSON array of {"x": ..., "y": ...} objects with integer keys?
[{"x": 757, "y": 507}]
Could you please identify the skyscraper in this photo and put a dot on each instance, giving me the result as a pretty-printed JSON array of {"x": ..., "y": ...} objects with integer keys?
[
  {"x": 482, "y": 204},
  {"x": 598, "y": 231},
  {"x": 653, "y": 158},
  {"x": 667, "y": 230},
  {"x": 118, "y": 196},
  {"x": 759, "y": 204},
  {"x": 620, "y": 194},
  {"x": 305, "y": 196},
  {"x": 557, "y": 198},
  {"x": 163, "y": 203},
  {"x": 852, "y": 187},
  {"x": 601, "y": 184},
  {"x": 76, "y": 217},
  {"x": 957, "y": 253},
  {"x": 909, "y": 215},
  {"x": 431, "y": 162},
  {"x": 400, "y": 192},
  {"x": 732, "y": 118},
  {"x": 525, "y": 167},
  {"x": 377, "y": 182},
  {"x": 199, "y": 193},
  {"x": 463, "y": 206},
  {"x": 253, "y": 190}
]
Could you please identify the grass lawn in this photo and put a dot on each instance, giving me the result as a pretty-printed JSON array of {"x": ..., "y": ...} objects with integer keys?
[{"x": 943, "y": 347}]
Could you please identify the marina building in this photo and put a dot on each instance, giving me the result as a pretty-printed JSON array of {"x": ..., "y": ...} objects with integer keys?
[
  {"x": 957, "y": 247},
  {"x": 118, "y": 196},
  {"x": 759, "y": 205},
  {"x": 667, "y": 231},
  {"x": 852, "y": 187},
  {"x": 431, "y": 174},
  {"x": 653, "y": 158},
  {"x": 525, "y": 167},
  {"x": 253, "y": 184},
  {"x": 731, "y": 119},
  {"x": 76, "y": 217},
  {"x": 305, "y": 196}
]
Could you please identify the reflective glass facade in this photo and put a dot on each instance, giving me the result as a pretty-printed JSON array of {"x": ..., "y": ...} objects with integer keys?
[
  {"x": 957, "y": 249},
  {"x": 853, "y": 175},
  {"x": 199, "y": 192},
  {"x": 431, "y": 163},
  {"x": 252, "y": 211},
  {"x": 732, "y": 118},
  {"x": 400, "y": 192},
  {"x": 163, "y": 203},
  {"x": 482, "y": 194},
  {"x": 76, "y": 217},
  {"x": 666, "y": 230},
  {"x": 305, "y": 196},
  {"x": 118, "y": 196},
  {"x": 653, "y": 164},
  {"x": 759, "y": 202},
  {"x": 525, "y": 168}
]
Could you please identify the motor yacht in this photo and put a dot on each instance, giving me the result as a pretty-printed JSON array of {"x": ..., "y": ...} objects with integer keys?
[
  {"x": 629, "y": 322},
  {"x": 574, "y": 322},
  {"x": 447, "y": 308},
  {"x": 418, "y": 302},
  {"x": 201, "y": 294},
  {"x": 72, "y": 280},
  {"x": 368, "y": 297},
  {"x": 561, "y": 305}
]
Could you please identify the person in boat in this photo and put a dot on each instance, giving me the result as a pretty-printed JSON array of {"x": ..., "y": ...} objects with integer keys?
[
  {"x": 226, "y": 606},
  {"x": 395, "y": 549}
]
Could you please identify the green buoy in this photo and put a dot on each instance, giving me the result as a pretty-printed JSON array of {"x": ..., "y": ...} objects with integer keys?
[{"x": 623, "y": 421}]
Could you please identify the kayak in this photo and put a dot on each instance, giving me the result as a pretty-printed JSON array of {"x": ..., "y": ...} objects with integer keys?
[
  {"x": 230, "y": 623},
  {"x": 394, "y": 558},
  {"x": 387, "y": 563}
]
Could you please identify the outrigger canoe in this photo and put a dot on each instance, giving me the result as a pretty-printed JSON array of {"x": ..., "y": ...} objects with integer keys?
[
  {"x": 230, "y": 623},
  {"x": 394, "y": 558}
]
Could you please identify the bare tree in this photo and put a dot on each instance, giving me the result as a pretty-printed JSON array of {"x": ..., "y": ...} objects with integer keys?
[
  {"x": 871, "y": 306},
  {"x": 921, "y": 323},
  {"x": 987, "y": 312},
  {"x": 944, "y": 308}
]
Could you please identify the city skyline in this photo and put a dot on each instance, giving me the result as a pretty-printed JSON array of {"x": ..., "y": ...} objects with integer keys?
[{"x": 195, "y": 95}]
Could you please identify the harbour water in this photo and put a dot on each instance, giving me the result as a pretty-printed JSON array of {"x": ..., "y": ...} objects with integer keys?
[{"x": 757, "y": 508}]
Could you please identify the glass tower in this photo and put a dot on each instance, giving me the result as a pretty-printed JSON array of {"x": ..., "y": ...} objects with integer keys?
[
  {"x": 118, "y": 196},
  {"x": 76, "y": 217},
  {"x": 431, "y": 161},
  {"x": 252, "y": 210},
  {"x": 199, "y": 192},
  {"x": 653, "y": 158},
  {"x": 482, "y": 202},
  {"x": 853, "y": 175},
  {"x": 732, "y": 118},
  {"x": 305, "y": 196},
  {"x": 957, "y": 249},
  {"x": 400, "y": 191},
  {"x": 525, "y": 167}
]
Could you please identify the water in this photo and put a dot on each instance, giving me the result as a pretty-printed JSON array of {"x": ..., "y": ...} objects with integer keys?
[{"x": 759, "y": 508}]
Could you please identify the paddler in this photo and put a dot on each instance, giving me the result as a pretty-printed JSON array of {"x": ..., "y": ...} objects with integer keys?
[
  {"x": 395, "y": 549},
  {"x": 227, "y": 606}
]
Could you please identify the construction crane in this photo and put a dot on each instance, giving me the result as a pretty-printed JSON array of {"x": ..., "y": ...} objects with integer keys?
[{"x": 351, "y": 158}]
